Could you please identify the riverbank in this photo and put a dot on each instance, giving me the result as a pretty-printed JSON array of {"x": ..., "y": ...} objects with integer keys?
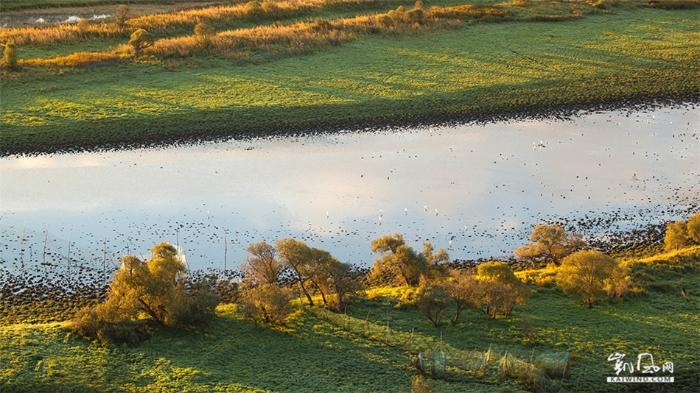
[
  {"x": 371, "y": 345},
  {"x": 473, "y": 73}
]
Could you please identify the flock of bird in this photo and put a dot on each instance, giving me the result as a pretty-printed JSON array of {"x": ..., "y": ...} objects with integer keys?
[{"x": 63, "y": 259}]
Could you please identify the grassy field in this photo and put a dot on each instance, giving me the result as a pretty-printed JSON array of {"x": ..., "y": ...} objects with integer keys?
[
  {"x": 319, "y": 351},
  {"x": 475, "y": 70}
]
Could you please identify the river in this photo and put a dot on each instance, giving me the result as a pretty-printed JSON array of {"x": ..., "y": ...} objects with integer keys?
[{"x": 477, "y": 190}]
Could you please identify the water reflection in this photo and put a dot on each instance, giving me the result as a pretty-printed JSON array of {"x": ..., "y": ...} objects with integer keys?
[{"x": 480, "y": 187}]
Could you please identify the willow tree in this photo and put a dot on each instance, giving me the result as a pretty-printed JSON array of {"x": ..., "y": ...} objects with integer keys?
[
  {"x": 693, "y": 227},
  {"x": 676, "y": 236},
  {"x": 262, "y": 267},
  {"x": 398, "y": 260},
  {"x": 585, "y": 273},
  {"x": 500, "y": 289},
  {"x": 157, "y": 289},
  {"x": 551, "y": 243}
]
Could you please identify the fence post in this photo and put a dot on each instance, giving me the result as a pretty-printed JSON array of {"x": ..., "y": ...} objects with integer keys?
[{"x": 366, "y": 321}]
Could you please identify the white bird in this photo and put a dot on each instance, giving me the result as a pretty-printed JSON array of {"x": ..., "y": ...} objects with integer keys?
[
  {"x": 405, "y": 211},
  {"x": 380, "y": 213},
  {"x": 436, "y": 212},
  {"x": 425, "y": 208},
  {"x": 327, "y": 214},
  {"x": 450, "y": 243}
]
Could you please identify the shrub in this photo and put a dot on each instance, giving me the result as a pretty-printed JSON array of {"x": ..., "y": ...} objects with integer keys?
[
  {"x": 693, "y": 228},
  {"x": 156, "y": 288},
  {"x": 500, "y": 289},
  {"x": 384, "y": 20},
  {"x": 267, "y": 303},
  {"x": 431, "y": 301},
  {"x": 420, "y": 385},
  {"x": 121, "y": 15},
  {"x": 253, "y": 9},
  {"x": 140, "y": 39},
  {"x": 585, "y": 272},
  {"x": 676, "y": 236},
  {"x": 83, "y": 26},
  {"x": 9, "y": 56},
  {"x": 321, "y": 24},
  {"x": 204, "y": 32}
]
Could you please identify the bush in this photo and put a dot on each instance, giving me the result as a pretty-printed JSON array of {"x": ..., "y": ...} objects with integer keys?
[
  {"x": 585, "y": 273},
  {"x": 140, "y": 39},
  {"x": 9, "y": 56},
  {"x": 500, "y": 289},
  {"x": 384, "y": 20},
  {"x": 676, "y": 236},
  {"x": 267, "y": 303},
  {"x": 120, "y": 15},
  {"x": 204, "y": 32},
  {"x": 156, "y": 288},
  {"x": 431, "y": 301},
  {"x": 693, "y": 228}
]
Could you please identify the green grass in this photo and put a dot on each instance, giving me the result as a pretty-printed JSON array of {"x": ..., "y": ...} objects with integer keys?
[
  {"x": 325, "y": 352},
  {"x": 471, "y": 71}
]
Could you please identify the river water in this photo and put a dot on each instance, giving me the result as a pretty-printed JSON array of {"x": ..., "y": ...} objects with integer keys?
[{"x": 477, "y": 190}]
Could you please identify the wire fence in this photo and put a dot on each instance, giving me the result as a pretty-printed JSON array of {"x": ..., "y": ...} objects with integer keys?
[{"x": 538, "y": 372}]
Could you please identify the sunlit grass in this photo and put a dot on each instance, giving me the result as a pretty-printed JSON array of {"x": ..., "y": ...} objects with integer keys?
[
  {"x": 322, "y": 351},
  {"x": 453, "y": 73}
]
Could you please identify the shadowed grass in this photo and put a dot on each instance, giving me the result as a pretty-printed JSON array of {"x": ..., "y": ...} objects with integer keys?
[
  {"x": 320, "y": 351},
  {"x": 380, "y": 80}
]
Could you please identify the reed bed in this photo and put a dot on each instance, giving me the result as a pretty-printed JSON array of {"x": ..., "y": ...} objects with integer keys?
[{"x": 169, "y": 23}]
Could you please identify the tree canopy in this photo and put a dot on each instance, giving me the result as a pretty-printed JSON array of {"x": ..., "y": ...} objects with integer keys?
[
  {"x": 141, "y": 39},
  {"x": 156, "y": 288},
  {"x": 551, "y": 244},
  {"x": 262, "y": 267},
  {"x": 585, "y": 273},
  {"x": 403, "y": 263}
]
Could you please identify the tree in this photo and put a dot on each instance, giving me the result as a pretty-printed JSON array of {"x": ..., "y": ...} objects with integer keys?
[
  {"x": 121, "y": 14},
  {"x": 398, "y": 260},
  {"x": 436, "y": 261},
  {"x": 204, "y": 32},
  {"x": 157, "y": 288},
  {"x": 501, "y": 290},
  {"x": 341, "y": 281},
  {"x": 267, "y": 303},
  {"x": 140, "y": 39},
  {"x": 552, "y": 243},
  {"x": 9, "y": 56},
  {"x": 83, "y": 26},
  {"x": 432, "y": 301},
  {"x": 464, "y": 291},
  {"x": 693, "y": 227},
  {"x": 676, "y": 236},
  {"x": 262, "y": 267},
  {"x": 297, "y": 257},
  {"x": 584, "y": 273}
]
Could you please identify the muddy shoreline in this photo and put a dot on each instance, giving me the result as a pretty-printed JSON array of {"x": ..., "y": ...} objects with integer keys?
[{"x": 317, "y": 127}]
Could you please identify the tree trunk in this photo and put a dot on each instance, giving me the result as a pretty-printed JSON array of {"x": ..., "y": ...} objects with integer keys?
[
  {"x": 323, "y": 296},
  {"x": 308, "y": 297},
  {"x": 150, "y": 311}
]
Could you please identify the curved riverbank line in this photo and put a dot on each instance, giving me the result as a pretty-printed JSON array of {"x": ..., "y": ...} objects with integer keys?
[{"x": 477, "y": 72}]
